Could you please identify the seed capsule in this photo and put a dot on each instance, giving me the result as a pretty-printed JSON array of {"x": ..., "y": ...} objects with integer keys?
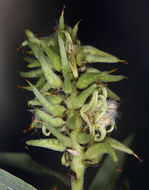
[
  {"x": 56, "y": 110},
  {"x": 119, "y": 146},
  {"x": 53, "y": 79},
  {"x": 54, "y": 121},
  {"x": 33, "y": 62},
  {"x": 88, "y": 78},
  {"x": 94, "y": 55},
  {"x": 53, "y": 57},
  {"x": 52, "y": 144},
  {"x": 32, "y": 74},
  {"x": 80, "y": 100},
  {"x": 95, "y": 152},
  {"x": 74, "y": 31}
]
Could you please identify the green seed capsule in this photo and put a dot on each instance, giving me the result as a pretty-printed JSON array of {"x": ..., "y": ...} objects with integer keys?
[
  {"x": 64, "y": 60},
  {"x": 53, "y": 80},
  {"x": 67, "y": 85},
  {"x": 112, "y": 95},
  {"x": 40, "y": 82},
  {"x": 55, "y": 99},
  {"x": 84, "y": 138},
  {"x": 34, "y": 102},
  {"x": 74, "y": 31},
  {"x": 66, "y": 159},
  {"x": 25, "y": 43},
  {"x": 54, "y": 57},
  {"x": 33, "y": 65},
  {"x": 71, "y": 54},
  {"x": 66, "y": 141},
  {"x": 79, "y": 55},
  {"x": 80, "y": 100},
  {"x": 33, "y": 62},
  {"x": 61, "y": 20},
  {"x": 46, "y": 87},
  {"x": 88, "y": 78},
  {"x": 117, "y": 145},
  {"x": 92, "y": 70},
  {"x": 32, "y": 74},
  {"x": 56, "y": 110},
  {"x": 32, "y": 37},
  {"x": 92, "y": 55},
  {"x": 89, "y": 108},
  {"x": 50, "y": 40},
  {"x": 71, "y": 120},
  {"x": 54, "y": 121},
  {"x": 95, "y": 152},
  {"x": 53, "y": 144}
]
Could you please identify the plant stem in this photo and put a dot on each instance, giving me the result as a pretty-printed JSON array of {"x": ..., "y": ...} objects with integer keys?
[
  {"x": 77, "y": 165},
  {"x": 78, "y": 168}
]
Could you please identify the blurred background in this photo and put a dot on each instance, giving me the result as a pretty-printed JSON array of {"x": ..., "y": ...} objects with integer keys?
[{"x": 118, "y": 27}]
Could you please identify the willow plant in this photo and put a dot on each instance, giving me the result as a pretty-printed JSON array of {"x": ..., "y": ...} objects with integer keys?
[{"x": 71, "y": 100}]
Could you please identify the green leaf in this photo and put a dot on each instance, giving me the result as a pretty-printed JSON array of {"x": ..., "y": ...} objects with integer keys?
[
  {"x": 107, "y": 176},
  {"x": 10, "y": 182},
  {"x": 24, "y": 162}
]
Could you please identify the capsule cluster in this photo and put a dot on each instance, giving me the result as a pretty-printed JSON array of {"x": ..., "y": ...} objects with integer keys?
[{"x": 68, "y": 88}]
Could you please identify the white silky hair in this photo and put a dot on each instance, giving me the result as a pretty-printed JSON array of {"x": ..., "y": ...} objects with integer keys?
[{"x": 110, "y": 115}]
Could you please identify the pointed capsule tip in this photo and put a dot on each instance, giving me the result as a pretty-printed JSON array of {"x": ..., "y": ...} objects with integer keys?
[
  {"x": 18, "y": 49},
  {"x": 28, "y": 129},
  {"x": 106, "y": 84},
  {"x": 26, "y": 147},
  {"x": 56, "y": 28},
  {"x": 117, "y": 168},
  {"x": 141, "y": 160},
  {"x": 21, "y": 87},
  {"x": 79, "y": 21},
  {"x": 124, "y": 62},
  {"x": 54, "y": 188},
  {"x": 128, "y": 78},
  {"x": 113, "y": 70},
  {"x": 28, "y": 82},
  {"x": 25, "y": 27},
  {"x": 64, "y": 6},
  {"x": 121, "y": 100}
]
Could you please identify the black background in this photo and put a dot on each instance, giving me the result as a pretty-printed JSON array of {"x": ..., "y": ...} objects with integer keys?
[{"x": 117, "y": 27}]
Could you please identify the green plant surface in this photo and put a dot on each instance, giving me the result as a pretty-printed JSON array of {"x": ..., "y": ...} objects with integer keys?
[{"x": 10, "y": 182}]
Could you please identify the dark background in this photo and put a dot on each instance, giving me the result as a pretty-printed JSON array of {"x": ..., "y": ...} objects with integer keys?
[{"x": 117, "y": 27}]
